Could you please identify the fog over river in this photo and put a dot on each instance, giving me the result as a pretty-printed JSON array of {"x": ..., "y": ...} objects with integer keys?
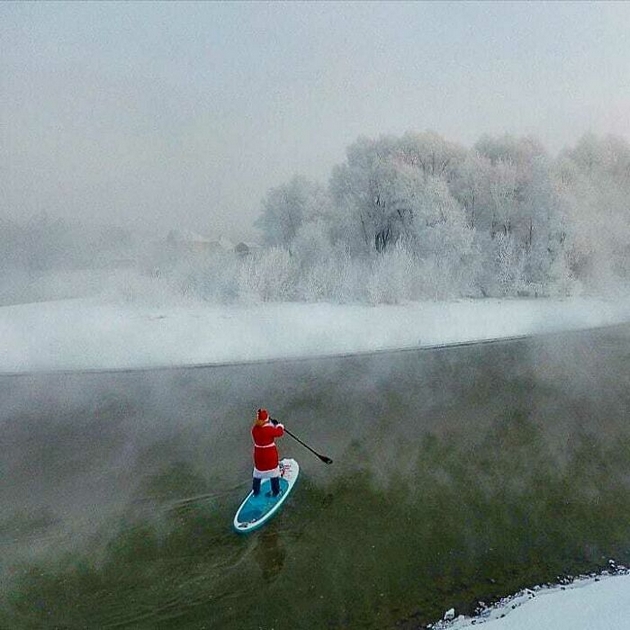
[{"x": 460, "y": 475}]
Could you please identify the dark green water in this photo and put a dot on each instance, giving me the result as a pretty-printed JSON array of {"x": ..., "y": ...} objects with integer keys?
[{"x": 460, "y": 476}]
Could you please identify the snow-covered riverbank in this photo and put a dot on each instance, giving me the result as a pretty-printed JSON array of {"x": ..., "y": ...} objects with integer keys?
[
  {"x": 594, "y": 603},
  {"x": 93, "y": 334}
]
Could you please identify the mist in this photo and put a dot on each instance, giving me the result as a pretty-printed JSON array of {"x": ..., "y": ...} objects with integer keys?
[{"x": 403, "y": 218}]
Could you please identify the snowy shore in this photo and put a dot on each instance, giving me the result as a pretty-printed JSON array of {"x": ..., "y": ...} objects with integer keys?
[
  {"x": 91, "y": 334},
  {"x": 594, "y": 603}
]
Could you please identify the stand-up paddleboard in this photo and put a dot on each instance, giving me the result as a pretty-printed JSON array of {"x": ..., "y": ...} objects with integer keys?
[{"x": 255, "y": 511}]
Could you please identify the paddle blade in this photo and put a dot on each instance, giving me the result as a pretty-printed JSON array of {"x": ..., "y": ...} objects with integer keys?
[{"x": 325, "y": 459}]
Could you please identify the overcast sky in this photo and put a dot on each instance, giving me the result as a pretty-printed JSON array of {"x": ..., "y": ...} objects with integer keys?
[{"x": 164, "y": 115}]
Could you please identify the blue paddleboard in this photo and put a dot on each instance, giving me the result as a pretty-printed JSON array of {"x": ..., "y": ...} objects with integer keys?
[{"x": 255, "y": 511}]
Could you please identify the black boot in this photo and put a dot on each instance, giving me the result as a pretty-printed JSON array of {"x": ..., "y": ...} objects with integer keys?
[
  {"x": 256, "y": 486},
  {"x": 275, "y": 486}
]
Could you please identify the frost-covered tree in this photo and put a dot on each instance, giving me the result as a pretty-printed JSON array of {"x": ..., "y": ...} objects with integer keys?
[
  {"x": 372, "y": 193},
  {"x": 313, "y": 242},
  {"x": 525, "y": 207},
  {"x": 444, "y": 241},
  {"x": 394, "y": 277},
  {"x": 518, "y": 166},
  {"x": 381, "y": 187},
  {"x": 471, "y": 186},
  {"x": 269, "y": 276},
  {"x": 431, "y": 154},
  {"x": 286, "y": 208},
  {"x": 415, "y": 216},
  {"x": 509, "y": 265},
  {"x": 508, "y": 148},
  {"x": 594, "y": 179},
  {"x": 503, "y": 195}
]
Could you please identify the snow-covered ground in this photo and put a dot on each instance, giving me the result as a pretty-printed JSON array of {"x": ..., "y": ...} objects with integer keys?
[
  {"x": 600, "y": 603},
  {"x": 93, "y": 334}
]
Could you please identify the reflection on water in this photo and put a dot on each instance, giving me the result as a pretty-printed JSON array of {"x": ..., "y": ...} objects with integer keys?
[
  {"x": 270, "y": 554},
  {"x": 460, "y": 476}
]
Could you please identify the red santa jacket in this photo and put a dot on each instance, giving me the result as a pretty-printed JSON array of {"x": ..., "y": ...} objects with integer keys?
[{"x": 265, "y": 451}]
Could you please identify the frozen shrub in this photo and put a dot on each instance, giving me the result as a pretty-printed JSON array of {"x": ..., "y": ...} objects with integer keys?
[{"x": 268, "y": 277}]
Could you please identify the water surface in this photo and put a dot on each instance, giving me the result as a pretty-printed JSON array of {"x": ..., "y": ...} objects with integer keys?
[{"x": 460, "y": 476}]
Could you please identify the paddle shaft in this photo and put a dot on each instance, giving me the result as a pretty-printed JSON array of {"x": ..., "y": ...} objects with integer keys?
[{"x": 325, "y": 459}]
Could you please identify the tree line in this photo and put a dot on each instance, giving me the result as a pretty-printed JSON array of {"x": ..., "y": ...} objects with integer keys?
[
  {"x": 417, "y": 216},
  {"x": 406, "y": 217}
]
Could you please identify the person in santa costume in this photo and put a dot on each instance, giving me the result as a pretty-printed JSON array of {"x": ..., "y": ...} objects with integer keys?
[{"x": 264, "y": 432}]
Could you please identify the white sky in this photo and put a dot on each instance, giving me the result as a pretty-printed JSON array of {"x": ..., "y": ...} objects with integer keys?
[{"x": 182, "y": 114}]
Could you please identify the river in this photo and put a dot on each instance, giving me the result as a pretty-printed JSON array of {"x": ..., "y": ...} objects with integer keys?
[{"x": 460, "y": 475}]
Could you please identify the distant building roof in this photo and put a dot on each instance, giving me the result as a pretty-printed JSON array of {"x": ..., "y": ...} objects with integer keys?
[{"x": 190, "y": 237}]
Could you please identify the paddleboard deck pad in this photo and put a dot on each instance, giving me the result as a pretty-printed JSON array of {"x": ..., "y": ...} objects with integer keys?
[{"x": 255, "y": 511}]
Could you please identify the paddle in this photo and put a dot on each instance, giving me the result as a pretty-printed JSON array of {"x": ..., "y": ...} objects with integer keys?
[{"x": 325, "y": 459}]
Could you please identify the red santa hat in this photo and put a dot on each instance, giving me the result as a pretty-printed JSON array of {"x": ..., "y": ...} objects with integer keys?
[{"x": 262, "y": 415}]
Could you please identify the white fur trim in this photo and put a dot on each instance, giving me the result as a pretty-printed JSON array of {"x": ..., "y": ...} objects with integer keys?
[{"x": 266, "y": 474}]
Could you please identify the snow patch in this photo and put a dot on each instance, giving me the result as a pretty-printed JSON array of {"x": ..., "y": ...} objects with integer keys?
[
  {"x": 91, "y": 334},
  {"x": 595, "y": 602}
]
